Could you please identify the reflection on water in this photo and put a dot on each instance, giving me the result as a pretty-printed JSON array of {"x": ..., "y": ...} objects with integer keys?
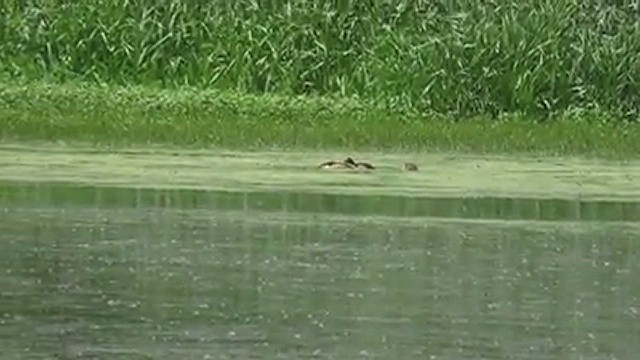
[
  {"x": 57, "y": 195},
  {"x": 141, "y": 274}
]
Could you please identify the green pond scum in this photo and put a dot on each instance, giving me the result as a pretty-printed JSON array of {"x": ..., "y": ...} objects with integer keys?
[{"x": 441, "y": 175}]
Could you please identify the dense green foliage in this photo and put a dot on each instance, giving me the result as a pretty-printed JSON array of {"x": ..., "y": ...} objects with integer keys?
[
  {"x": 117, "y": 115},
  {"x": 457, "y": 57}
]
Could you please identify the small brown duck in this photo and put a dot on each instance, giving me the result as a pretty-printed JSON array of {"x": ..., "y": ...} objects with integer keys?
[
  {"x": 409, "y": 166},
  {"x": 346, "y": 164}
]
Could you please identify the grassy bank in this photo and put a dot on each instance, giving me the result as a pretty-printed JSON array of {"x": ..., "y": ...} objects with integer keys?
[
  {"x": 457, "y": 57},
  {"x": 189, "y": 117}
]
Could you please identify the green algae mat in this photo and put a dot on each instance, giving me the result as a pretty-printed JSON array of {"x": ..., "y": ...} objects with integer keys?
[{"x": 440, "y": 175}]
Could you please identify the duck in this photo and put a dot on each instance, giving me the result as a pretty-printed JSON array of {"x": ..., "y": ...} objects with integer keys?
[
  {"x": 409, "y": 166},
  {"x": 348, "y": 164}
]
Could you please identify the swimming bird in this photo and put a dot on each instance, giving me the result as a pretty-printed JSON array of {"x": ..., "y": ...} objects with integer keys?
[
  {"x": 365, "y": 165},
  {"x": 347, "y": 163},
  {"x": 409, "y": 166}
]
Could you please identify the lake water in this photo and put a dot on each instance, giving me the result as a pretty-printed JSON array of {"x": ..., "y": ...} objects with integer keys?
[{"x": 147, "y": 255}]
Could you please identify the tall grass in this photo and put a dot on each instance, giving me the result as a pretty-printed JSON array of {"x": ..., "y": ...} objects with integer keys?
[{"x": 456, "y": 56}]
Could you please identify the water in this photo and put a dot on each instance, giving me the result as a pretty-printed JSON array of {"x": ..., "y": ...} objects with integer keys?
[{"x": 108, "y": 271}]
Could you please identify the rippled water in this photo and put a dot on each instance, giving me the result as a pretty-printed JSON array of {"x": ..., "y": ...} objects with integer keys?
[
  {"x": 115, "y": 273},
  {"x": 156, "y": 255}
]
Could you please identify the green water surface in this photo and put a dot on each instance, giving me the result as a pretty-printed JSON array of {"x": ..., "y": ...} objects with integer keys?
[{"x": 92, "y": 270}]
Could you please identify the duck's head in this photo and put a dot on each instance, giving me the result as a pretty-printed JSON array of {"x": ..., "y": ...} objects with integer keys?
[{"x": 349, "y": 161}]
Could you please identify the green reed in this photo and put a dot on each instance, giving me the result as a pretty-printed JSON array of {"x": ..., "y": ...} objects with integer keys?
[{"x": 456, "y": 57}]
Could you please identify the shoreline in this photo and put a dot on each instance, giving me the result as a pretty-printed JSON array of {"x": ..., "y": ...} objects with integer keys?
[{"x": 117, "y": 116}]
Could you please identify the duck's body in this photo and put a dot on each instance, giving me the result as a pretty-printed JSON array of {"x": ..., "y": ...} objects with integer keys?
[
  {"x": 336, "y": 165},
  {"x": 365, "y": 165},
  {"x": 409, "y": 166},
  {"x": 346, "y": 164}
]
